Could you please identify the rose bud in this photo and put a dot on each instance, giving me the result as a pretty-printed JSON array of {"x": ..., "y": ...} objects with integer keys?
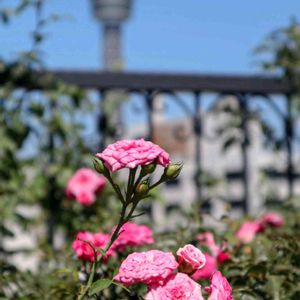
[
  {"x": 190, "y": 259},
  {"x": 148, "y": 169},
  {"x": 272, "y": 219},
  {"x": 143, "y": 188},
  {"x": 172, "y": 171},
  {"x": 99, "y": 166}
]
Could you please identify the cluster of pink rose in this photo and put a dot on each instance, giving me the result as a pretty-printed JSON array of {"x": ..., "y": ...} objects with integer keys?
[
  {"x": 168, "y": 278},
  {"x": 165, "y": 276},
  {"x": 85, "y": 184},
  {"x": 84, "y": 240},
  {"x": 250, "y": 229},
  {"x": 132, "y": 235},
  {"x": 215, "y": 258}
]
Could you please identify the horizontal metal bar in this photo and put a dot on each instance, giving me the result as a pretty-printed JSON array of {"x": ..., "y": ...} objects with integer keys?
[
  {"x": 272, "y": 174},
  {"x": 255, "y": 84},
  {"x": 129, "y": 81}
]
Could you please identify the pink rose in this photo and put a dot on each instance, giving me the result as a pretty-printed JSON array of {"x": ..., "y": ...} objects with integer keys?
[
  {"x": 273, "y": 219},
  {"x": 223, "y": 256},
  {"x": 219, "y": 289},
  {"x": 152, "y": 266},
  {"x": 100, "y": 241},
  {"x": 208, "y": 270},
  {"x": 207, "y": 239},
  {"x": 132, "y": 153},
  {"x": 85, "y": 197},
  {"x": 84, "y": 185},
  {"x": 248, "y": 231},
  {"x": 133, "y": 235},
  {"x": 84, "y": 251},
  {"x": 178, "y": 286},
  {"x": 190, "y": 259},
  {"x": 217, "y": 251}
]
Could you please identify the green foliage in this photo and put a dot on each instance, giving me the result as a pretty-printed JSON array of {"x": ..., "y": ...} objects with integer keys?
[
  {"x": 45, "y": 283},
  {"x": 42, "y": 143},
  {"x": 280, "y": 52},
  {"x": 269, "y": 267},
  {"x": 99, "y": 285}
]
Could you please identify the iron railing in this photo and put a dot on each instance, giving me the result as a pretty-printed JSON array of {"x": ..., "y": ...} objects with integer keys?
[{"x": 149, "y": 85}]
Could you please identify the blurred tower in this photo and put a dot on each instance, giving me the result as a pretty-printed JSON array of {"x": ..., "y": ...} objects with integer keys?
[{"x": 112, "y": 13}]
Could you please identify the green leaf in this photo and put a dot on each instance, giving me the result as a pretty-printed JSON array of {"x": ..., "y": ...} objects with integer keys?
[
  {"x": 101, "y": 251},
  {"x": 257, "y": 270},
  {"x": 64, "y": 271},
  {"x": 248, "y": 295},
  {"x": 99, "y": 285},
  {"x": 121, "y": 286}
]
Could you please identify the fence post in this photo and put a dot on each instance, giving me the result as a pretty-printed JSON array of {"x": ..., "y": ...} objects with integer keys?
[
  {"x": 198, "y": 149},
  {"x": 149, "y": 103},
  {"x": 102, "y": 122},
  {"x": 289, "y": 146},
  {"x": 245, "y": 151}
]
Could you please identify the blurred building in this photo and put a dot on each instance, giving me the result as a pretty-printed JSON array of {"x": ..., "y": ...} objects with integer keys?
[{"x": 222, "y": 169}]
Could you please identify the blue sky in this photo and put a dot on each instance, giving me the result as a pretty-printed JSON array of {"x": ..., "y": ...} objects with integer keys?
[{"x": 162, "y": 35}]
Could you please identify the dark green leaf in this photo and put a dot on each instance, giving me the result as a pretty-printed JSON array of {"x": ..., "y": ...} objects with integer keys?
[{"x": 99, "y": 285}]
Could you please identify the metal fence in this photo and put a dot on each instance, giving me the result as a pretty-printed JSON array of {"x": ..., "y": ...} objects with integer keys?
[{"x": 244, "y": 88}]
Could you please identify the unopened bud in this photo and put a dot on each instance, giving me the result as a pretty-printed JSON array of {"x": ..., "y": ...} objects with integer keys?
[
  {"x": 99, "y": 166},
  {"x": 172, "y": 171},
  {"x": 143, "y": 188},
  {"x": 148, "y": 169}
]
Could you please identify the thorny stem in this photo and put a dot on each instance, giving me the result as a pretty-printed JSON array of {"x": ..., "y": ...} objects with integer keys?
[
  {"x": 130, "y": 198},
  {"x": 116, "y": 189},
  {"x": 130, "y": 185},
  {"x": 114, "y": 236},
  {"x": 141, "y": 175},
  {"x": 156, "y": 184}
]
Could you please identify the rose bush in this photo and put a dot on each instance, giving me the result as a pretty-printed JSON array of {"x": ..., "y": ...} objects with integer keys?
[
  {"x": 261, "y": 261},
  {"x": 158, "y": 270},
  {"x": 240, "y": 262}
]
